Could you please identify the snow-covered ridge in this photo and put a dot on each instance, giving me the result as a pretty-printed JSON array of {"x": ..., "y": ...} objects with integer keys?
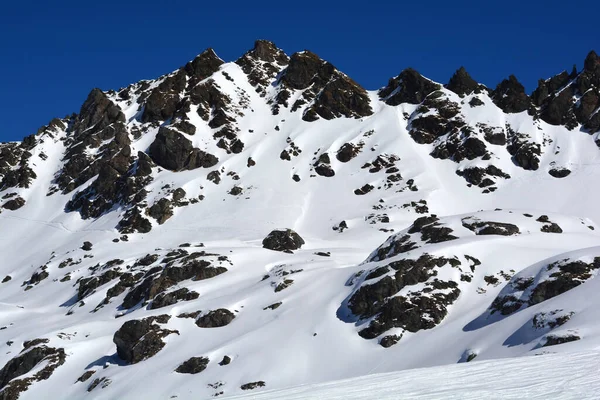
[{"x": 192, "y": 235}]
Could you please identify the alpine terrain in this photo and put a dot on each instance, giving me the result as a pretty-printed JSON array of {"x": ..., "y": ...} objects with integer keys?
[{"x": 233, "y": 228}]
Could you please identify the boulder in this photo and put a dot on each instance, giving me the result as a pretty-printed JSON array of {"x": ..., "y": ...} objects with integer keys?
[
  {"x": 138, "y": 340},
  {"x": 283, "y": 240},
  {"x": 215, "y": 319},
  {"x": 194, "y": 365}
]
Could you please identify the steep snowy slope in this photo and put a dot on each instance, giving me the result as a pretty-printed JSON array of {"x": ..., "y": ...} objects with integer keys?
[{"x": 268, "y": 223}]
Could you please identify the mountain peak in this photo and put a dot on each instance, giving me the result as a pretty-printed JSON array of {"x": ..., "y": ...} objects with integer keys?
[
  {"x": 510, "y": 96},
  {"x": 204, "y": 65},
  {"x": 592, "y": 62},
  {"x": 266, "y": 50},
  {"x": 461, "y": 82},
  {"x": 408, "y": 87}
]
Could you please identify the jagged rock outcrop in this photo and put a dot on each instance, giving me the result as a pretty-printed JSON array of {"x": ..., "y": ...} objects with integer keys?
[
  {"x": 572, "y": 99},
  {"x": 510, "y": 96},
  {"x": 262, "y": 64},
  {"x": 408, "y": 87},
  {"x": 327, "y": 92},
  {"x": 462, "y": 84},
  {"x": 194, "y": 365},
  {"x": 283, "y": 240},
  {"x": 171, "y": 150},
  {"x": 138, "y": 340},
  {"x": 35, "y": 354}
]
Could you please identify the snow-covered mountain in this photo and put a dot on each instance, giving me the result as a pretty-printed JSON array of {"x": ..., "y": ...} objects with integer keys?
[{"x": 267, "y": 223}]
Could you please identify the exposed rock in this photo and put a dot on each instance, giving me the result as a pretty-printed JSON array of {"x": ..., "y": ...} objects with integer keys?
[
  {"x": 215, "y": 319},
  {"x": 194, "y": 365},
  {"x": 161, "y": 211},
  {"x": 554, "y": 279},
  {"x": 408, "y": 87},
  {"x": 273, "y": 306},
  {"x": 510, "y": 96},
  {"x": 389, "y": 340},
  {"x": 490, "y": 228},
  {"x": 171, "y": 150},
  {"x": 347, "y": 152},
  {"x": 283, "y": 240},
  {"x": 86, "y": 375},
  {"x": 225, "y": 361},
  {"x": 481, "y": 176},
  {"x": 364, "y": 189},
  {"x": 253, "y": 385},
  {"x": 462, "y": 84},
  {"x": 14, "y": 204},
  {"x": 262, "y": 64},
  {"x": 138, "y": 340},
  {"x": 559, "y": 172},
  {"x": 203, "y": 66},
  {"x": 47, "y": 358},
  {"x": 167, "y": 299},
  {"x": 553, "y": 340}
]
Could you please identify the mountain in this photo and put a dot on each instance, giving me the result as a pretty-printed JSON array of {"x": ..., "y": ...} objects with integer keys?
[{"x": 267, "y": 223}]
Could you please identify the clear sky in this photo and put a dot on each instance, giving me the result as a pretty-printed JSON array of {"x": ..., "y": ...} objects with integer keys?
[{"x": 54, "y": 53}]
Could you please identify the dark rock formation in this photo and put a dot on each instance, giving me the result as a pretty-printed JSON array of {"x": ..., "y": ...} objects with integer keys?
[
  {"x": 171, "y": 150},
  {"x": 283, "y": 240},
  {"x": 138, "y": 340},
  {"x": 415, "y": 310},
  {"x": 252, "y": 385},
  {"x": 194, "y": 365},
  {"x": 215, "y": 319},
  {"x": 331, "y": 93},
  {"x": 408, "y": 87},
  {"x": 490, "y": 228},
  {"x": 14, "y": 204},
  {"x": 32, "y": 356},
  {"x": 510, "y": 96},
  {"x": 564, "y": 276},
  {"x": 462, "y": 84},
  {"x": 161, "y": 211},
  {"x": 167, "y": 299}
]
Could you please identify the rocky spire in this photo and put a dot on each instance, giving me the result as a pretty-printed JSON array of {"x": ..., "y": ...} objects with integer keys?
[
  {"x": 461, "y": 83},
  {"x": 203, "y": 66},
  {"x": 408, "y": 87},
  {"x": 262, "y": 64},
  {"x": 266, "y": 50},
  {"x": 510, "y": 96},
  {"x": 592, "y": 62}
]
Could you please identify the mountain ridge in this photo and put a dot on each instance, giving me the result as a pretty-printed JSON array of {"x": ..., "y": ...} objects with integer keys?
[{"x": 229, "y": 217}]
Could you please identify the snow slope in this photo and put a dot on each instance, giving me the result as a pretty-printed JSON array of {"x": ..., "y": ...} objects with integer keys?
[
  {"x": 557, "y": 376},
  {"x": 102, "y": 177}
]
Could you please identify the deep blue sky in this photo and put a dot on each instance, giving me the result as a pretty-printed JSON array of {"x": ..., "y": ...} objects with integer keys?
[{"x": 54, "y": 53}]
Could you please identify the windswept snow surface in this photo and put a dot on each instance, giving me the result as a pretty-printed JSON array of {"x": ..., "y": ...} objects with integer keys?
[{"x": 556, "y": 376}]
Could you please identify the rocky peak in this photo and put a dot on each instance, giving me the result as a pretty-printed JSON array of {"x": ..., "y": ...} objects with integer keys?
[
  {"x": 548, "y": 86},
  {"x": 262, "y": 64},
  {"x": 408, "y": 87},
  {"x": 203, "y": 66},
  {"x": 332, "y": 93},
  {"x": 556, "y": 96},
  {"x": 510, "y": 96},
  {"x": 306, "y": 68},
  {"x": 267, "y": 51},
  {"x": 592, "y": 62},
  {"x": 97, "y": 111},
  {"x": 461, "y": 83}
]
